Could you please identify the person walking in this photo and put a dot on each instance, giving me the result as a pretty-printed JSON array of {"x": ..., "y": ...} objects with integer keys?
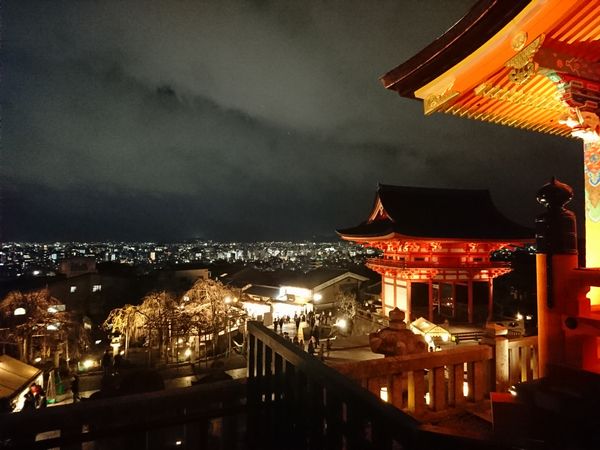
[
  {"x": 311, "y": 347},
  {"x": 328, "y": 346},
  {"x": 106, "y": 363},
  {"x": 281, "y": 324},
  {"x": 297, "y": 321},
  {"x": 75, "y": 388},
  {"x": 117, "y": 363}
]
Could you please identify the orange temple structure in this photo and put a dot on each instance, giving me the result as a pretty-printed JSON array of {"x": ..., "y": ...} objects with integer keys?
[
  {"x": 436, "y": 237},
  {"x": 533, "y": 65}
]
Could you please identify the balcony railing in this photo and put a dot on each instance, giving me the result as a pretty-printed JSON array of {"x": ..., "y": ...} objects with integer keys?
[
  {"x": 290, "y": 400},
  {"x": 183, "y": 418},
  {"x": 293, "y": 394},
  {"x": 427, "y": 382}
]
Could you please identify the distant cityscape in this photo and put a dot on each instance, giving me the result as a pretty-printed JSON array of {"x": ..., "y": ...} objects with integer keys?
[{"x": 43, "y": 259}]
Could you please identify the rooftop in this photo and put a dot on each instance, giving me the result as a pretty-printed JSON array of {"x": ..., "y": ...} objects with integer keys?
[{"x": 420, "y": 212}]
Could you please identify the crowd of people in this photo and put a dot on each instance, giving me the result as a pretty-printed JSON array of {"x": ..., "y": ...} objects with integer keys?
[{"x": 314, "y": 321}]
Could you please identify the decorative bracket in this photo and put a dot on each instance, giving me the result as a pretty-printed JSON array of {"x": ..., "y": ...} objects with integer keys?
[
  {"x": 434, "y": 102},
  {"x": 522, "y": 65}
]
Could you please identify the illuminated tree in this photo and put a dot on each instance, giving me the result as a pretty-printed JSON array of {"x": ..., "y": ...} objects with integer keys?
[
  {"x": 35, "y": 314},
  {"x": 126, "y": 321},
  {"x": 208, "y": 308},
  {"x": 158, "y": 310},
  {"x": 346, "y": 303}
]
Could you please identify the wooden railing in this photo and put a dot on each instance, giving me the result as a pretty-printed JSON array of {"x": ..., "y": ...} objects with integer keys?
[
  {"x": 516, "y": 360},
  {"x": 186, "y": 418},
  {"x": 293, "y": 395},
  {"x": 426, "y": 382}
]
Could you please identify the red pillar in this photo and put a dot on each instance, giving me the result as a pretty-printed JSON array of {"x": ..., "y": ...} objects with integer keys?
[
  {"x": 439, "y": 297},
  {"x": 408, "y": 301},
  {"x": 470, "y": 300},
  {"x": 430, "y": 303},
  {"x": 490, "y": 299}
]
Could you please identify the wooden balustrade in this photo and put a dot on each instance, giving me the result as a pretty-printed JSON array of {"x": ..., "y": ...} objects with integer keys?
[
  {"x": 296, "y": 401},
  {"x": 429, "y": 381},
  {"x": 290, "y": 400},
  {"x": 193, "y": 416},
  {"x": 515, "y": 360}
]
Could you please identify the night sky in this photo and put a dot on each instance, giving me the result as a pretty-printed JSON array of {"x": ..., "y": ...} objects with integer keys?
[{"x": 235, "y": 120}]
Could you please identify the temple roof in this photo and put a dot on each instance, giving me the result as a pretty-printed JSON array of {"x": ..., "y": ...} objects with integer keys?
[
  {"x": 483, "y": 21},
  {"x": 530, "y": 64},
  {"x": 436, "y": 213}
]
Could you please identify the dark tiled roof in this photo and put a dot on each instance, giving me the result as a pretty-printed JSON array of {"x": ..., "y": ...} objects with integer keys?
[{"x": 439, "y": 213}]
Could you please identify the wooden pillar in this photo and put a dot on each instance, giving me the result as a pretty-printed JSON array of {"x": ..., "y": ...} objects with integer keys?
[
  {"x": 408, "y": 301},
  {"x": 383, "y": 294},
  {"x": 395, "y": 290},
  {"x": 453, "y": 299},
  {"x": 470, "y": 300},
  {"x": 490, "y": 299},
  {"x": 430, "y": 301},
  {"x": 439, "y": 297}
]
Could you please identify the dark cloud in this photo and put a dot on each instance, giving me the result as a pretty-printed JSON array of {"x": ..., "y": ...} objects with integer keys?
[{"x": 234, "y": 119}]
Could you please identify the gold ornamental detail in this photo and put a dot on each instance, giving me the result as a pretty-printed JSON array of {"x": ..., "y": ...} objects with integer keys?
[
  {"x": 434, "y": 102},
  {"x": 518, "y": 97},
  {"x": 519, "y": 41},
  {"x": 522, "y": 65}
]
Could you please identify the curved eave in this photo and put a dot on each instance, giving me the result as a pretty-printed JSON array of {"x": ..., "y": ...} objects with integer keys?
[
  {"x": 471, "y": 32},
  {"x": 393, "y": 236}
]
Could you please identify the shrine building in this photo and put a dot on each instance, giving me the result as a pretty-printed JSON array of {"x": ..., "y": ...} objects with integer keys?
[
  {"x": 530, "y": 64},
  {"x": 437, "y": 237},
  {"x": 535, "y": 65}
]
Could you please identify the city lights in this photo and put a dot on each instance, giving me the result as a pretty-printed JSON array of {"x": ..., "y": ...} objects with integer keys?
[{"x": 20, "y": 312}]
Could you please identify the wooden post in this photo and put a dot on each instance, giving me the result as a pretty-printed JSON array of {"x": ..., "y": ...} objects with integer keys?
[
  {"x": 251, "y": 356},
  {"x": 501, "y": 358},
  {"x": 456, "y": 377},
  {"x": 430, "y": 301},
  {"x": 437, "y": 389},
  {"x": 333, "y": 411},
  {"x": 374, "y": 386},
  {"x": 470, "y": 300},
  {"x": 416, "y": 391},
  {"x": 479, "y": 381},
  {"x": 490, "y": 299},
  {"x": 396, "y": 386}
]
